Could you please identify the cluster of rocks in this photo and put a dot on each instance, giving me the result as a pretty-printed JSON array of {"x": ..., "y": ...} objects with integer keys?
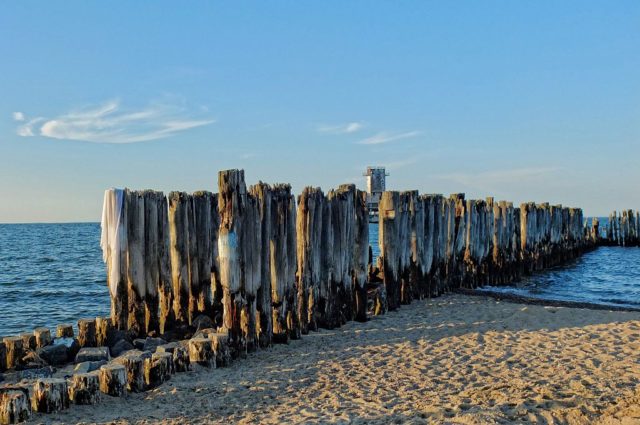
[{"x": 46, "y": 374}]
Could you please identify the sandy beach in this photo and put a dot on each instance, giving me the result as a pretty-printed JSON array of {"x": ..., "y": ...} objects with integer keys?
[{"x": 455, "y": 359}]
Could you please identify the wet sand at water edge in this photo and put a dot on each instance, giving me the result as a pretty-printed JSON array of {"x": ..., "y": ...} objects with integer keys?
[{"x": 454, "y": 359}]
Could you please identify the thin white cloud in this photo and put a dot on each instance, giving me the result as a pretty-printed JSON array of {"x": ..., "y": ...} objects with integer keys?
[
  {"x": 18, "y": 116},
  {"x": 347, "y": 128},
  {"x": 383, "y": 137},
  {"x": 110, "y": 123}
]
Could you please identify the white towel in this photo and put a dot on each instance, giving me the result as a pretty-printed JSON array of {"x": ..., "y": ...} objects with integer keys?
[{"x": 113, "y": 236}]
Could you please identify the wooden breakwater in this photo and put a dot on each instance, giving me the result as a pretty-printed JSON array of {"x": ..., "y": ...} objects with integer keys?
[
  {"x": 206, "y": 277},
  {"x": 622, "y": 229}
]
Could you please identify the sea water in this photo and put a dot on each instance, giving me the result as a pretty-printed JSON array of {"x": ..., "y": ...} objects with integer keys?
[{"x": 54, "y": 273}]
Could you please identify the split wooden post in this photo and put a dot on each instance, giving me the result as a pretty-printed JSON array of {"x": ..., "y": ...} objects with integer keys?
[
  {"x": 104, "y": 330},
  {"x": 179, "y": 248},
  {"x": 201, "y": 301},
  {"x": 43, "y": 337},
  {"x": 264, "y": 317},
  {"x": 283, "y": 264},
  {"x": 180, "y": 355},
  {"x": 14, "y": 406},
  {"x": 166, "y": 315},
  {"x": 151, "y": 260},
  {"x": 15, "y": 351},
  {"x": 136, "y": 286},
  {"x": 309, "y": 250},
  {"x": 134, "y": 362},
  {"x": 64, "y": 331},
  {"x": 113, "y": 379},
  {"x": 50, "y": 395},
  {"x": 87, "y": 333},
  {"x": 232, "y": 200},
  {"x": 84, "y": 388},
  {"x": 360, "y": 256},
  {"x": 114, "y": 238},
  {"x": 3, "y": 356},
  {"x": 158, "y": 369},
  {"x": 252, "y": 263},
  {"x": 389, "y": 246},
  {"x": 201, "y": 352}
]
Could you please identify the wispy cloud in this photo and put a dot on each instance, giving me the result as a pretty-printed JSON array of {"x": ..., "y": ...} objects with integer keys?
[
  {"x": 347, "y": 128},
  {"x": 18, "y": 116},
  {"x": 111, "y": 123},
  {"x": 384, "y": 137}
]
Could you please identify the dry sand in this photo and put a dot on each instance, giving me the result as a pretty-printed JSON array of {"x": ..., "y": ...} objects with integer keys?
[{"x": 455, "y": 359}]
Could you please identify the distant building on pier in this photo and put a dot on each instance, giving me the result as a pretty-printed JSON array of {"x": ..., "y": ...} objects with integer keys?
[{"x": 376, "y": 184}]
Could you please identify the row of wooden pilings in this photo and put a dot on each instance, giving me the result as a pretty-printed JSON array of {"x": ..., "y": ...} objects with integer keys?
[
  {"x": 267, "y": 268},
  {"x": 622, "y": 229},
  {"x": 259, "y": 264},
  {"x": 430, "y": 244}
]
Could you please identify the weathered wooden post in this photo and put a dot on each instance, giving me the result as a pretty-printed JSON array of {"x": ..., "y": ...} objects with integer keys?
[
  {"x": 264, "y": 316},
  {"x": 201, "y": 299},
  {"x": 201, "y": 352},
  {"x": 232, "y": 202},
  {"x": 360, "y": 255},
  {"x": 459, "y": 243},
  {"x": 3, "y": 356},
  {"x": 113, "y": 241},
  {"x": 104, "y": 330},
  {"x": 283, "y": 264},
  {"x": 50, "y": 395},
  {"x": 151, "y": 263},
  {"x": 404, "y": 246},
  {"x": 14, "y": 406},
  {"x": 179, "y": 207},
  {"x": 113, "y": 379},
  {"x": 136, "y": 286},
  {"x": 134, "y": 361},
  {"x": 309, "y": 239},
  {"x": 87, "y": 333},
  {"x": 43, "y": 337},
  {"x": 84, "y": 388},
  {"x": 166, "y": 314},
  {"x": 323, "y": 303},
  {"x": 15, "y": 351},
  {"x": 429, "y": 235},
  {"x": 343, "y": 221},
  {"x": 390, "y": 246}
]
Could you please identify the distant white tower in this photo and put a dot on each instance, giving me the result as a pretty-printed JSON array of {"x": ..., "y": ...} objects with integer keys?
[{"x": 376, "y": 177}]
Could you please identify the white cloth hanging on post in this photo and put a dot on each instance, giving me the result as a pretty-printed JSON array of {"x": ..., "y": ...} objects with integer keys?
[{"x": 113, "y": 235}]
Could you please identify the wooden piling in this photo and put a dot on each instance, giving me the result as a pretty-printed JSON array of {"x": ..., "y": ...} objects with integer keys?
[
  {"x": 231, "y": 206},
  {"x": 152, "y": 242},
  {"x": 43, "y": 337},
  {"x": 136, "y": 286},
  {"x": 14, "y": 406},
  {"x": 49, "y": 395},
  {"x": 264, "y": 317},
  {"x": 178, "y": 217},
  {"x": 360, "y": 263},
  {"x": 390, "y": 246},
  {"x": 15, "y": 351},
  {"x": 309, "y": 238},
  {"x": 113, "y": 379},
  {"x": 87, "y": 333},
  {"x": 84, "y": 388},
  {"x": 166, "y": 313}
]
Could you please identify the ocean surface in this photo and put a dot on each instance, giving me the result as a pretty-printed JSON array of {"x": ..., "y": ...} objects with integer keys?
[{"x": 53, "y": 273}]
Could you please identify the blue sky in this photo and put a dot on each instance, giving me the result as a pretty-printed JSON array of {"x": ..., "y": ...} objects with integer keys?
[{"x": 518, "y": 100}]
